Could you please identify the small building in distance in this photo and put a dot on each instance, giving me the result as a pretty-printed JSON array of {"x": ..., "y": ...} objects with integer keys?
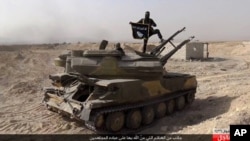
[{"x": 197, "y": 50}]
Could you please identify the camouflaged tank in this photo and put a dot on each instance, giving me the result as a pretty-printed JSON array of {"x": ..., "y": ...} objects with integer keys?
[{"x": 117, "y": 91}]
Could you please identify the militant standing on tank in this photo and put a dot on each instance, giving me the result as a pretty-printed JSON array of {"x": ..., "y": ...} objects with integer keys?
[{"x": 150, "y": 22}]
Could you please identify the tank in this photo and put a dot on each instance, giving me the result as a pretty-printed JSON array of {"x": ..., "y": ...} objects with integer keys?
[{"x": 117, "y": 91}]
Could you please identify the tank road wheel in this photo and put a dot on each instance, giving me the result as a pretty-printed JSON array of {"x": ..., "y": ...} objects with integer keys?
[
  {"x": 99, "y": 121},
  {"x": 115, "y": 121},
  {"x": 190, "y": 98},
  {"x": 134, "y": 119},
  {"x": 147, "y": 115},
  {"x": 160, "y": 110},
  {"x": 170, "y": 106},
  {"x": 180, "y": 102}
]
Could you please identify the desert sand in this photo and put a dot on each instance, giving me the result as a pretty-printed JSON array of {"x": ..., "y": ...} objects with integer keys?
[{"x": 222, "y": 97}]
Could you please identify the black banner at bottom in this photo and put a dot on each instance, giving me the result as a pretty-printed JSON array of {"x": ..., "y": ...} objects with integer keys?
[{"x": 109, "y": 137}]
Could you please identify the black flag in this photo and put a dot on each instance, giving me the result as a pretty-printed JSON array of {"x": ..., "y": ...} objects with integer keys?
[{"x": 140, "y": 31}]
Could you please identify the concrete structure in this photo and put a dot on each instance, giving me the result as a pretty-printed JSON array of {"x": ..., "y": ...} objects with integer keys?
[{"x": 197, "y": 50}]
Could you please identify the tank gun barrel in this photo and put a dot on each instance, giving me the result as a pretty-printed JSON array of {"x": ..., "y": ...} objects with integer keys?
[
  {"x": 165, "y": 58},
  {"x": 157, "y": 49}
]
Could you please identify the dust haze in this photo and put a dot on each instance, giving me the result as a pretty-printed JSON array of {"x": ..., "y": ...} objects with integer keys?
[{"x": 46, "y": 21}]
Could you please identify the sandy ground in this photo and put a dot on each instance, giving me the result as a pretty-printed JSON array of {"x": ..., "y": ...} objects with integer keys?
[{"x": 222, "y": 96}]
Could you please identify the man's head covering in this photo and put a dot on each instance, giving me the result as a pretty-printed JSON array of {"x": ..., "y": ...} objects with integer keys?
[{"x": 147, "y": 14}]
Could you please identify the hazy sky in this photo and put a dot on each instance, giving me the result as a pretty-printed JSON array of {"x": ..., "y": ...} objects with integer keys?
[{"x": 43, "y": 21}]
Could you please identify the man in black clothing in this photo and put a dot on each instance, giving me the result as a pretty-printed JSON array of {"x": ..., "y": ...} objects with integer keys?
[{"x": 150, "y": 22}]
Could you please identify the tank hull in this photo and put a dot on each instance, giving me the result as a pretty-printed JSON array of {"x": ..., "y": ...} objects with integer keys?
[{"x": 87, "y": 103}]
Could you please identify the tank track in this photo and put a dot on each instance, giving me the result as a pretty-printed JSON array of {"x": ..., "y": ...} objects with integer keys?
[{"x": 123, "y": 108}]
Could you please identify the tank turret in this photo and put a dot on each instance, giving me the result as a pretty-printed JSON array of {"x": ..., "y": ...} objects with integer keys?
[{"x": 116, "y": 63}]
